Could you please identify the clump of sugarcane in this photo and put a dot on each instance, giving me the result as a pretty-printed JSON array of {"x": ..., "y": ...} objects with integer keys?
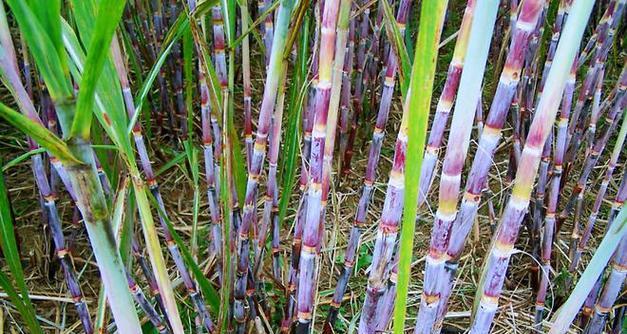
[
  {"x": 595, "y": 152},
  {"x": 543, "y": 174},
  {"x": 587, "y": 231},
  {"x": 348, "y": 132},
  {"x": 275, "y": 70},
  {"x": 459, "y": 140},
  {"x": 76, "y": 154},
  {"x": 333, "y": 38},
  {"x": 387, "y": 231},
  {"x": 371, "y": 169},
  {"x": 576, "y": 197},
  {"x": 154, "y": 189},
  {"x": 604, "y": 39},
  {"x": 546, "y": 242},
  {"x": 454, "y": 236},
  {"x": 10, "y": 74},
  {"x": 608, "y": 23},
  {"x": 588, "y": 307},
  {"x": 501, "y": 248}
]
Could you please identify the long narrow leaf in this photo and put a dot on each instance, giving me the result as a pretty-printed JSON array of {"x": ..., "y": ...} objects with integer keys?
[
  {"x": 12, "y": 257},
  {"x": 109, "y": 14},
  {"x": 418, "y": 104},
  {"x": 40, "y": 134}
]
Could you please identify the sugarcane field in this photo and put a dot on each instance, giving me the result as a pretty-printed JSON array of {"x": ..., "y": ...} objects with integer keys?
[{"x": 313, "y": 166}]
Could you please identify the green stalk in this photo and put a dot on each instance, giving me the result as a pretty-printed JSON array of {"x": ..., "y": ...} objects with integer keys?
[{"x": 417, "y": 105}]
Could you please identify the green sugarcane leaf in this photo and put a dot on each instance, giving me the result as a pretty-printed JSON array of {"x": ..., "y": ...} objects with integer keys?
[
  {"x": 27, "y": 313},
  {"x": 208, "y": 291},
  {"x": 101, "y": 311},
  {"x": 173, "y": 162},
  {"x": 48, "y": 13},
  {"x": 12, "y": 257},
  {"x": 107, "y": 19},
  {"x": 398, "y": 45},
  {"x": 21, "y": 158},
  {"x": 417, "y": 104},
  {"x": 109, "y": 108},
  {"x": 51, "y": 65},
  {"x": 41, "y": 135}
]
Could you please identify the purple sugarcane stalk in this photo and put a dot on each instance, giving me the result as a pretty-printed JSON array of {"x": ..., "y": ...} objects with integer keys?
[
  {"x": 554, "y": 195},
  {"x": 176, "y": 63},
  {"x": 346, "y": 112},
  {"x": 371, "y": 169},
  {"x": 611, "y": 289},
  {"x": 271, "y": 202},
  {"x": 445, "y": 103},
  {"x": 346, "y": 153},
  {"x": 210, "y": 176},
  {"x": 268, "y": 31},
  {"x": 154, "y": 189},
  {"x": 451, "y": 227},
  {"x": 502, "y": 245},
  {"x": 274, "y": 75},
  {"x": 314, "y": 224}
]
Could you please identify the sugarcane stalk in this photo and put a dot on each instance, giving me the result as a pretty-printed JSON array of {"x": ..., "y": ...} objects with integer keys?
[
  {"x": 268, "y": 31},
  {"x": 506, "y": 234},
  {"x": 274, "y": 74},
  {"x": 346, "y": 111},
  {"x": 445, "y": 102},
  {"x": 154, "y": 189},
  {"x": 459, "y": 140},
  {"x": 335, "y": 15},
  {"x": 588, "y": 305},
  {"x": 271, "y": 202},
  {"x": 345, "y": 151},
  {"x": 248, "y": 126},
  {"x": 371, "y": 169},
  {"x": 612, "y": 16},
  {"x": 554, "y": 195},
  {"x": 586, "y": 233},
  {"x": 10, "y": 74},
  {"x": 385, "y": 308}
]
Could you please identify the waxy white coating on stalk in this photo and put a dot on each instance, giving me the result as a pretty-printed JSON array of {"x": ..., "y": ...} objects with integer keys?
[
  {"x": 507, "y": 231},
  {"x": 459, "y": 140}
]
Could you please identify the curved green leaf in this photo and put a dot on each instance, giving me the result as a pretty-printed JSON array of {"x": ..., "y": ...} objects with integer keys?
[
  {"x": 12, "y": 257},
  {"x": 109, "y": 15},
  {"x": 41, "y": 135}
]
